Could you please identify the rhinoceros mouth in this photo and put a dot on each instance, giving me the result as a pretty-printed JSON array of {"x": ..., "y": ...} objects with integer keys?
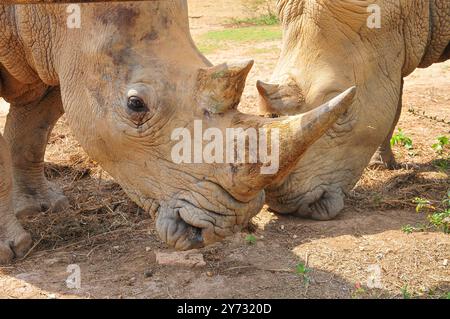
[
  {"x": 184, "y": 225},
  {"x": 200, "y": 216}
]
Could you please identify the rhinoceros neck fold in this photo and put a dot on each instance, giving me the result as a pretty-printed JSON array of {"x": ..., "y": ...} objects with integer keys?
[
  {"x": 12, "y": 51},
  {"x": 437, "y": 49}
]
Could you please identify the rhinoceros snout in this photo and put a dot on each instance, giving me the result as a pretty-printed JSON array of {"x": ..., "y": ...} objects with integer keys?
[
  {"x": 184, "y": 226},
  {"x": 325, "y": 205},
  {"x": 320, "y": 203}
]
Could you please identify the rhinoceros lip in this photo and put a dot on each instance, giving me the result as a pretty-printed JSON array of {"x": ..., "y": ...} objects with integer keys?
[
  {"x": 194, "y": 234},
  {"x": 174, "y": 230}
]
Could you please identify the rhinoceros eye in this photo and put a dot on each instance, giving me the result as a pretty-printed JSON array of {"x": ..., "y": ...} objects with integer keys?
[{"x": 136, "y": 104}]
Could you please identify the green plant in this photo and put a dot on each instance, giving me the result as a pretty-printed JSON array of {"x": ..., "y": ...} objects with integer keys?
[
  {"x": 214, "y": 40},
  {"x": 439, "y": 212},
  {"x": 250, "y": 239},
  {"x": 408, "y": 229},
  {"x": 421, "y": 204},
  {"x": 359, "y": 291},
  {"x": 245, "y": 34},
  {"x": 441, "y": 220},
  {"x": 265, "y": 19},
  {"x": 302, "y": 270},
  {"x": 402, "y": 139},
  {"x": 442, "y": 164},
  {"x": 441, "y": 144},
  {"x": 405, "y": 293}
]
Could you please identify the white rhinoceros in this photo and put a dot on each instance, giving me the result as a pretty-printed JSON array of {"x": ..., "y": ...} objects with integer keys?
[
  {"x": 127, "y": 79},
  {"x": 329, "y": 45}
]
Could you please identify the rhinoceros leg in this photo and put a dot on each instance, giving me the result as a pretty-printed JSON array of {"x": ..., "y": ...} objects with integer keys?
[
  {"x": 384, "y": 155},
  {"x": 14, "y": 240},
  {"x": 27, "y": 131}
]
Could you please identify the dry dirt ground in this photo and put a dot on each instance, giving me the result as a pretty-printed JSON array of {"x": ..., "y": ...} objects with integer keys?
[{"x": 114, "y": 242}]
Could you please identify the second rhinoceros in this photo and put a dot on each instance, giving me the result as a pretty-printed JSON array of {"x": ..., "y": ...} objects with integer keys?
[
  {"x": 329, "y": 45},
  {"x": 127, "y": 79}
]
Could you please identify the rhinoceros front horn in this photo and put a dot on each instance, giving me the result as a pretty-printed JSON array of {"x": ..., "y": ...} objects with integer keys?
[{"x": 296, "y": 134}]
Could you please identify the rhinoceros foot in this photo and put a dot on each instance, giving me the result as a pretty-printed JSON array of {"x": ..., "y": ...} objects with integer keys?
[
  {"x": 31, "y": 201},
  {"x": 384, "y": 158},
  {"x": 14, "y": 240}
]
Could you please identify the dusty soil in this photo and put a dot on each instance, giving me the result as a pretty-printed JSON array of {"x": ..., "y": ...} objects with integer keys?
[{"x": 114, "y": 242}]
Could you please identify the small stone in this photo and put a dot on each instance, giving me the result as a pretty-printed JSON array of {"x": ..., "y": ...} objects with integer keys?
[
  {"x": 209, "y": 274},
  {"x": 51, "y": 296},
  {"x": 190, "y": 258},
  {"x": 51, "y": 261},
  {"x": 147, "y": 249},
  {"x": 282, "y": 227},
  {"x": 295, "y": 236},
  {"x": 445, "y": 262},
  {"x": 30, "y": 276},
  {"x": 116, "y": 247},
  {"x": 148, "y": 273}
]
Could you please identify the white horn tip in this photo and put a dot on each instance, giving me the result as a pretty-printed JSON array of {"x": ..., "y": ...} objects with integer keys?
[{"x": 345, "y": 97}]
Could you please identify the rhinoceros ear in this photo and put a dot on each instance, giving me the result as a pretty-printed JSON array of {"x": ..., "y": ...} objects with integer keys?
[{"x": 220, "y": 87}]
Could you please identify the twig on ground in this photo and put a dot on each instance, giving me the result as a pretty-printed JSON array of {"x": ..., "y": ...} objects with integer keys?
[{"x": 32, "y": 248}]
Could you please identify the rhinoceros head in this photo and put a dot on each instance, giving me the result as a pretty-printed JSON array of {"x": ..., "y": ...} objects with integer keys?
[{"x": 158, "y": 117}]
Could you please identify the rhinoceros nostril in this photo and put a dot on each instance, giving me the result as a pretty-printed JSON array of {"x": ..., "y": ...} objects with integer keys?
[
  {"x": 189, "y": 237},
  {"x": 44, "y": 207},
  {"x": 195, "y": 234}
]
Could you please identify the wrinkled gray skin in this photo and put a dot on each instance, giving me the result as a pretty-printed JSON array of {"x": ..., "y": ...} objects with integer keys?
[
  {"x": 327, "y": 47},
  {"x": 143, "y": 51}
]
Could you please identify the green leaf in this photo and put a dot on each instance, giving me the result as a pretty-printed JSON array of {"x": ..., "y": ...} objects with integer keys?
[
  {"x": 401, "y": 138},
  {"x": 301, "y": 269},
  {"x": 250, "y": 239}
]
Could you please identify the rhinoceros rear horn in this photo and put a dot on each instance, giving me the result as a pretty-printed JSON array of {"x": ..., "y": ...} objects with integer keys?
[
  {"x": 276, "y": 99},
  {"x": 220, "y": 87},
  {"x": 296, "y": 134}
]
